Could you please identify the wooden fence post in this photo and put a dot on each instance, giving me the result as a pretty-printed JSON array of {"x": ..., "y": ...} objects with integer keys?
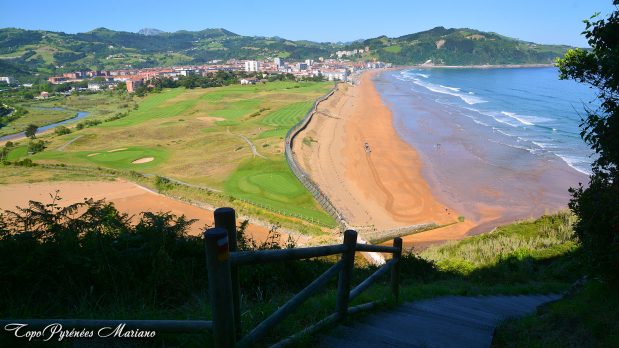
[
  {"x": 219, "y": 283},
  {"x": 226, "y": 218},
  {"x": 343, "y": 286},
  {"x": 395, "y": 270}
]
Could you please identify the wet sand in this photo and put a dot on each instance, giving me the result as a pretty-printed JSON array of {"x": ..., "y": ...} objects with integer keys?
[
  {"x": 382, "y": 185},
  {"x": 126, "y": 196},
  {"x": 472, "y": 168}
]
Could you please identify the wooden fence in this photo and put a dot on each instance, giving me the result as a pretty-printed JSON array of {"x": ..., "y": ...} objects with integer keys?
[{"x": 223, "y": 260}]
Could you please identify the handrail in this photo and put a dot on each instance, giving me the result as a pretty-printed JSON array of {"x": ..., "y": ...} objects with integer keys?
[
  {"x": 376, "y": 248},
  {"x": 222, "y": 261},
  {"x": 262, "y": 328},
  {"x": 371, "y": 279},
  {"x": 278, "y": 255}
]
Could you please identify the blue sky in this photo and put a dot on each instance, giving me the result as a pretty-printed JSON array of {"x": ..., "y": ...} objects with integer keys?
[{"x": 543, "y": 21}]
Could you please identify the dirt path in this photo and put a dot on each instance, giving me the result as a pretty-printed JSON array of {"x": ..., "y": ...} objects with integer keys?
[
  {"x": 126, "y": 196},
  {"x": 63, "y": 147},
  {"x": 452, "y": 321},
  {"x": 251, "y": 145}
]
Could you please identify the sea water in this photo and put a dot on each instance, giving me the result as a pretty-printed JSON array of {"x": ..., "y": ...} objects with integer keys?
[
  {"x": 496, "y": 144},
  {"x": 531, "y": 107}
]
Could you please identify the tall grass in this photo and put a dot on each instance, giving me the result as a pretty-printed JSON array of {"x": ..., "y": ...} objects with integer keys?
[{"x": 539, "y": 237}]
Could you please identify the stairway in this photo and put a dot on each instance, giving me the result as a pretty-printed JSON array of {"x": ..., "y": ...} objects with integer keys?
[{"x": 452, "y": 321}]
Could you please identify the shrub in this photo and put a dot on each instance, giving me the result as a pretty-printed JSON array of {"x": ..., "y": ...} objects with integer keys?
[
  {"x": 62, "y": 130},
  {"x": 26, "y": 162},
  {"x": 597, "y": 205},
  {"x": 35, "y": 146},
  {"x": 163, "y": 183}
]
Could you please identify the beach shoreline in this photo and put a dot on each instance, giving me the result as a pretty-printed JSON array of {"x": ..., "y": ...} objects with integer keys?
[
  {"x": 351, "y": 149},
  {"x": 359, "y": 152},
  {"x": 469, "y": 172}
]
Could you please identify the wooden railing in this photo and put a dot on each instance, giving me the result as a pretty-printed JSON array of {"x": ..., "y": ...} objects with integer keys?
[{"x": 224, "y": 259}]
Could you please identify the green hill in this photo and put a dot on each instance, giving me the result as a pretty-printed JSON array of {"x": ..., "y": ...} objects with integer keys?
[
  {"x": 26, "y": 53},
  {"x": 459, "y": 47}
]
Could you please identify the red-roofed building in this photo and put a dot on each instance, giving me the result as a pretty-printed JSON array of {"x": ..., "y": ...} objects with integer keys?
[{"x": 133, "y": 84}]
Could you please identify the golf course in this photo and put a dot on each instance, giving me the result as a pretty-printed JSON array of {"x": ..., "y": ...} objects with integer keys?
[{"x": 223, "y": 144}]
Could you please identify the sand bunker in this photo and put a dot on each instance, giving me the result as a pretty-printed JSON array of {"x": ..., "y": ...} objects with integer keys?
[
  {"x": 94, "y": 154},
  {"x": 143, "y": 160},
  {"x": 211, "y": 119},
  {"x": 116, "y": 150}
]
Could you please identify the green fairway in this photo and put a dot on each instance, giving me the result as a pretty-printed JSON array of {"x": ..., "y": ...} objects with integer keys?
[
  {"x": 154, "y": 106},
  {"x": 121, "y": 158},
  {"x": 271, "y": 184},
  {"x": 230, "y": 139},
  {"x": 288, "y": 116}
]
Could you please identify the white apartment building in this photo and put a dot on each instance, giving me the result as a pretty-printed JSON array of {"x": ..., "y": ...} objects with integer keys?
[{"x": 252, "y": 65}]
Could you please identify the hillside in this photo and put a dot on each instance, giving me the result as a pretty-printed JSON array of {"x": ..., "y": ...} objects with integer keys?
[
  {"x": 459, "y": 47},
  {"x": 45, "y": 52},
  {"x": 30, "y": 52}
]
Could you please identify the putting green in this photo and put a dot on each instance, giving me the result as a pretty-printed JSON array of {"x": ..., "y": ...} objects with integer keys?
[{"x": 271, "y": 184}]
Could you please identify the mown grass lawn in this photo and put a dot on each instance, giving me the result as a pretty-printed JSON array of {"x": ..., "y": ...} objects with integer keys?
[{"x": 198, "y": 136}]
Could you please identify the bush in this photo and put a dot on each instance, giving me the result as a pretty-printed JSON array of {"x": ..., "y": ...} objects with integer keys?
[
  {"x": 35, "y": 146},
  {"x": 26, "y": 162},
  {"x": 597, "y": 205},
  {"x": 87, "y": 123},
  {"x": 61, "y": 130},
  {"x": 52, "y": 256},
  {"x": 163, "y": 183}
]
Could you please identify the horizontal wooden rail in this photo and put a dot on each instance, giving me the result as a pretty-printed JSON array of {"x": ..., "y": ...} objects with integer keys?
[
  {"x": 377, "y": 248},
  {"x": 371, "y": 279},
  {"x": 170, "y": 326},
  {"x": 290, "y": 306},
  {"x": 265, "y": 256}
]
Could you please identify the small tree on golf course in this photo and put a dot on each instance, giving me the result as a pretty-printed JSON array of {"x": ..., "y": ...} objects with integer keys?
[
  {"x": 597, "y": 205},
  {"x": 31, "y": 130}
]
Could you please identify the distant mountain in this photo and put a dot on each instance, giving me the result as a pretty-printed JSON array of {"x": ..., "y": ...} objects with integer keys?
[
  {"x": 463, "y": 46},
  {"x": 32, "y": 54},
  {"x": 150, "y": 31}
]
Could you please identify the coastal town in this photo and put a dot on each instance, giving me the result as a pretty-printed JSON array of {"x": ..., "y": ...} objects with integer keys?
[{"x": 250, "y": 72}]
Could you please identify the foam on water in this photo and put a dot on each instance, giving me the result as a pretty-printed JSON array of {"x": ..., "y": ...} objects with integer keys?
[
  {"x": 579, "y": 163},
  {"x": 467, "y": 97},
  {"x": 528, "y": 113}
]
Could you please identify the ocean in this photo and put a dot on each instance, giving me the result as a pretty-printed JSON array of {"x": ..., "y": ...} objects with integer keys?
[{"x": 507, "y": 139}]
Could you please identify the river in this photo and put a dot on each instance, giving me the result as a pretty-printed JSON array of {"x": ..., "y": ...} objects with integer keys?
[{"x": 78, "y": 116}]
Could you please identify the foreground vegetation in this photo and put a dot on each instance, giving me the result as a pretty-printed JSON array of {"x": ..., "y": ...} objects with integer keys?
[
  {"x": 585, "y": 318},
  {"x": 90, "y": 261}
]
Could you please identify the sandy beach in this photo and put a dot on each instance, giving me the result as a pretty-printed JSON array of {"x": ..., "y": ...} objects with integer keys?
[
  {"x": 378, "y": 185},
  {"x": 126, "y": 196},
  {"x": 374, "y": 153}
]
